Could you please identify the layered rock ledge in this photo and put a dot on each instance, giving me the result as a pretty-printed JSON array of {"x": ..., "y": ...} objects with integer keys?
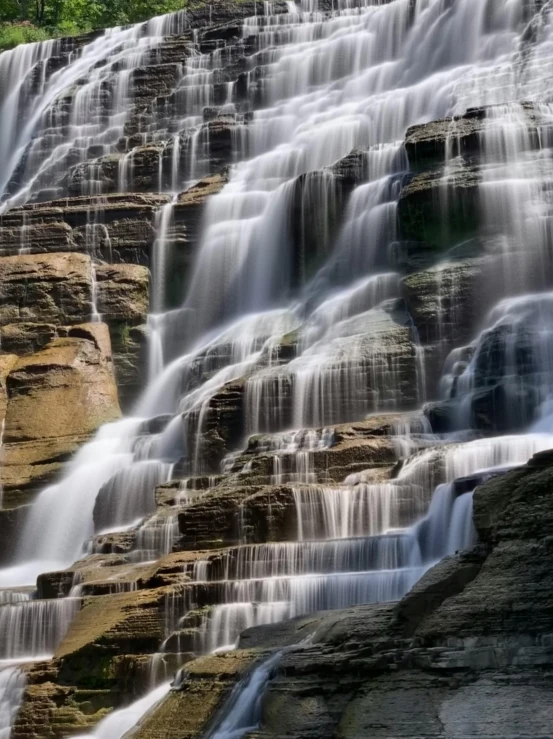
[{"x": 472, "y": 639}]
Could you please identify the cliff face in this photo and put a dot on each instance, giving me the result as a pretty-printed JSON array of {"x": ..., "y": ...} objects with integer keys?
[
  {"x": 466, "y": 653},
  {"x": 226, "y": 519}
]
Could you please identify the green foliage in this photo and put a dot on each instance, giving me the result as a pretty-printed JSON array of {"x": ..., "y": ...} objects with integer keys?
[
  {"x": 24, "y": 21},
  {"x": 14, "y": 34}
]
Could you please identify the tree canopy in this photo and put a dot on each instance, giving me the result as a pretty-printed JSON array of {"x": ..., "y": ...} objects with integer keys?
[{"x": 22, "y": 21}]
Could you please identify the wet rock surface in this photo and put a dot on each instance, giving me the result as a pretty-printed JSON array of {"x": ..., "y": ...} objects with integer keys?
[{"x": 472, "y": 636}]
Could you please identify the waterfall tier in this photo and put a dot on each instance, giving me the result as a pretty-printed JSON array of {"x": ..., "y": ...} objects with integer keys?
[{"x": 306, "y": 249}]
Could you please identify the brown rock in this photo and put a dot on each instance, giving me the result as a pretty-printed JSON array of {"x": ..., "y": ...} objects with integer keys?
[
  {"x": 45, "y": 288},
  {"x": 57, "y": 398},
  {"x": 187, "y": 713},
  {"x": 122, "y": 301},
  {"x": 122, "y": 292},
  {"x": 66, "y": 389},
  {"x": 7, "y": 362},
  {"x": 36, "y": 238},
  {"x": 26, "y": 337},
  {"x": 124, "y": 232}
]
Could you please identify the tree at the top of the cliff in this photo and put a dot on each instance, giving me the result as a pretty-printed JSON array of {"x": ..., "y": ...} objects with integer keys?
[{"x": 24, "y": 21}]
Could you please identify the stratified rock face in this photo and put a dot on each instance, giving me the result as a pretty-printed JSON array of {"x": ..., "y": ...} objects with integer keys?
[
  {"x": 472, "y": 638},
  {"x": 441, "y": 205},
  {"x": 7, "y": 361},
  {"x": 368, "y": 363},
  {"x": 53, "y": 288},
  {"x": 122, "y": 291},
  {"x": 443, "y": 301},
  {"x": 56, "y": 398},
  {"x": 188, "y": 714},
  {"x": 441, "y": 211},
  {"x": 121, "y": 226},
  {"x": 42, "y": 293},
  {"x": 433, "y": 143},
  {"x": 511, "y": 597},
  {"x": 122, "y": 302},
  {"x": 79, "y": 364},
  {"x": 56, "y": 254}
]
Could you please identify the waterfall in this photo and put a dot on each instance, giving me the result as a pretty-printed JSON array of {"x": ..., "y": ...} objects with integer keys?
[
  {"x": 32, "y": 629},
  {"x": 119, "y": 723},
  {"x": 243, "y": 710},
  {"x": 12, "y": 685},
  {"x": 295, "y": 322}
]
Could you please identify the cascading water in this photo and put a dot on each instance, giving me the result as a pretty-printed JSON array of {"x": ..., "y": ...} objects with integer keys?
[
  {"x": 243, "y": 712},
  {"x": 119, "y": 723},
  {"x": 12, "y": 685},
  {"x": 308, "y": 315}
]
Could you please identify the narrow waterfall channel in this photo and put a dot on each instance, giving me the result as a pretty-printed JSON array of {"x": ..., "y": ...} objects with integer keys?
[
  {"x": 243, "y": 711},
  {"x": 314, "y": 423}
]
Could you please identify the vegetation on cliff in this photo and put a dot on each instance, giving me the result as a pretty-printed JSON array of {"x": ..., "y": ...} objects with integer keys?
[{"x": 22, "y": 22}]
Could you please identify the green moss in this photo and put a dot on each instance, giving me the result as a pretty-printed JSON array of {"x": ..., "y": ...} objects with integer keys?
[
  {"x": 88, "y": 668},
  {"x": 124, "y": 335},
  {"x": 22, "y": 22}
]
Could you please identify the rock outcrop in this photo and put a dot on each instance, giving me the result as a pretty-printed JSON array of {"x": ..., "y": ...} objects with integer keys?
[
  {"x": 42, "y": 294},
  {"x": 56, "y": 398},
  {"x": 50, "y": 288},
  {"x": 473, "y": 637}
]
